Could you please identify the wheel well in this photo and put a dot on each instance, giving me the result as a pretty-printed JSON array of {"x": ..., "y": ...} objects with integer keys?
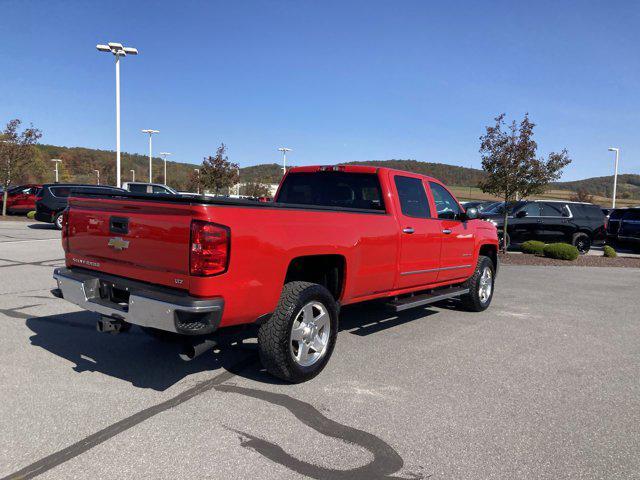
[
  {"x": 490, "y": 251},
  {"x": 326, "y": 270}
]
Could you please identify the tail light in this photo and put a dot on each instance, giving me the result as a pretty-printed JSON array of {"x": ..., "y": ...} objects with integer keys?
[
  {"x": 65, "y": 229},
  {"x": 209, "y": 248}
]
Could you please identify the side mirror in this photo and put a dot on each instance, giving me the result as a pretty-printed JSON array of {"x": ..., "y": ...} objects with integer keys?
[
  {"x": 471, "y": 213},
  {"x": 521, "y": 214}
]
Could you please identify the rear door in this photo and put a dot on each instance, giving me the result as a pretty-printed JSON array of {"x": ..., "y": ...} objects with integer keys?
[
  {"x": 420, "y": 236},
  {"x": 458, "y": 239}
]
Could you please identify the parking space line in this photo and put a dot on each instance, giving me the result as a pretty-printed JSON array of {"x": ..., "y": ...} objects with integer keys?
[{"x": 29, "y": 240}]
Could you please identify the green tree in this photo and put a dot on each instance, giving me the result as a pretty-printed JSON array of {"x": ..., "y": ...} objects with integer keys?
[
  {"x": 255, "y": 189},
  {"x": 218, "y": 172},
  {"x": 16, "y": 154},
  {"x": 511, "y": 166}
]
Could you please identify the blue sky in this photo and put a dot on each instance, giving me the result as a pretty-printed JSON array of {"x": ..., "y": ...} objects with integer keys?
[{"x": 334, "y": 80}]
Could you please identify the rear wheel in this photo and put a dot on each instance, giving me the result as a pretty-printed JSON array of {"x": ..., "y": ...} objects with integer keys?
[
  {"x": 582, "y": 242},
  {"x": 297, "y": 341},
  {"x": 58, "y": 221},
  {"x": 480, "y": 286}
]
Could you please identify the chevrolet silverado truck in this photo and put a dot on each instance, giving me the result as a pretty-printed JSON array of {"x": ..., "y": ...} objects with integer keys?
[{"x": 195, "y": 266}]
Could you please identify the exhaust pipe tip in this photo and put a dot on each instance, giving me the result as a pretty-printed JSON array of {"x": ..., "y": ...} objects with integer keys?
[{"x": 192, "y": 350}]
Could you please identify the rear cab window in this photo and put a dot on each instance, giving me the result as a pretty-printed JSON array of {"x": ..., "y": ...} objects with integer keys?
[{"x": 359, "y": 191}]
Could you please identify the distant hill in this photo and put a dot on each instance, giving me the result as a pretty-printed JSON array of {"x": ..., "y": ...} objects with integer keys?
[
  {"x": 79, "y": 165},
  {"x": 628, "y": 186},
  {"x": 449, "y": 174}
]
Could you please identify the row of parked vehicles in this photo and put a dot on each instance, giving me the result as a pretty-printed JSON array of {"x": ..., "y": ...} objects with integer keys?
[
  {"x": 580, "y": 224},
  {"x": 50, "y": 200}
]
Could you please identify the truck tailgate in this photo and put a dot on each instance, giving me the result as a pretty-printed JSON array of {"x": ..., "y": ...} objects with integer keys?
[{"x": 142, "y": 240}]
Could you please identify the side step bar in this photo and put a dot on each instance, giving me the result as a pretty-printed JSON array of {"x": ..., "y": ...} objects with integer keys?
[{"x": 406, "y": 303}]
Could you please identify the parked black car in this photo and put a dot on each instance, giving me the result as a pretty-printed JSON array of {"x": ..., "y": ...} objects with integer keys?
[
  {"x": 579, "y": 224},
  {"x": 623, "y": 226},
  {"x": 52, "y": 199}
]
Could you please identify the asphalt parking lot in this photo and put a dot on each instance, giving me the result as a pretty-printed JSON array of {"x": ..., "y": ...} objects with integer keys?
[{"x": 542, "y": 385}]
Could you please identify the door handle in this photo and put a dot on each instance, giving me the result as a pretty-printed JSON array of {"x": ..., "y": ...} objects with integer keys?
[
  {"x": 407, "y": 230},
  {"x": 446, "y": 231}
]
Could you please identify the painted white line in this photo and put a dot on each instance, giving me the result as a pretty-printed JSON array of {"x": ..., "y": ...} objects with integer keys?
[{"x": 33, "y": 240}]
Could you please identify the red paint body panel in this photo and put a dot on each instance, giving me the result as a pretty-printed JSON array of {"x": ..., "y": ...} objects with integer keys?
[
  {"x": 23, "y": 200},
  {"x": 264, "y": 241}
]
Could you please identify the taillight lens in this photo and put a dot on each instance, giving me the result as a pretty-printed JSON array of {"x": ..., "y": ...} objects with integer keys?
[
  {"x": 209, "y": 248},
  {"x": 65, "y": 229}
]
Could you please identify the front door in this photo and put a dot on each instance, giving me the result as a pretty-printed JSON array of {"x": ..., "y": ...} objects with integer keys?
[
  {"x": 420, "y": 236},
  {"x": 458, "y": 239}
]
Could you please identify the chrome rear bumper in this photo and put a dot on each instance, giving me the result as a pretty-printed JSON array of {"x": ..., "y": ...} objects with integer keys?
[{"x": 138, "y": 302}]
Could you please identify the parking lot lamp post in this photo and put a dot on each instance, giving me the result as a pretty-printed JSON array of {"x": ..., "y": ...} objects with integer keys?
[
  {"x": 615, "y": 175},
  {"x": 133, "y": 175},
  {"x": 164, "y": 156},
  {"x": 284, "y": 151},
  {"x": 150, "y": 132},
  {"x": 98, "y": 174},
  {"x": 56, "y": 161},
  {"x": 197, "y": 170},
  {"x": 118, "y": 51}
]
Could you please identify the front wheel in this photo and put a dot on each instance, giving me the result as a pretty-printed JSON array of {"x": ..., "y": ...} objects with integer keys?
[
  {"x": 297, "y": 341},
  {"x": 480, "y": 286}
]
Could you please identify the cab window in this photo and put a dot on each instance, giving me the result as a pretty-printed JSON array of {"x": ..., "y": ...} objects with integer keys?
[
  {"x": 413, "y": 198},
  {"x": 446, "y": 206}
]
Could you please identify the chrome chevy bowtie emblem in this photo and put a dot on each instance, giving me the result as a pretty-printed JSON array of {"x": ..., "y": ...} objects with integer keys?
[{"x": 118, "y": 243}]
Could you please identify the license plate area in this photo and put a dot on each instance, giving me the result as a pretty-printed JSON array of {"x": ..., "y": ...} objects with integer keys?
[{"x": 111, "y": 293}]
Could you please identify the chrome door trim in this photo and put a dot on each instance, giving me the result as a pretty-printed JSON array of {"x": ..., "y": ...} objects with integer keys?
[{"x": 415, "y": 272}]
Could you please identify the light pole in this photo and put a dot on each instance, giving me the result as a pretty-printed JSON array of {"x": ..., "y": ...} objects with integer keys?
[
  {"x": 197, "y": 170},
  {"x": 133, "y": 175},
  {"x": 615, "y": 175},
  {"x": 118, "y": 51},
  {"x": 98, "y": 173},
  {"x": 164, "y": 156},
  {"x": 284, "y": 151},
  {"x": 150, "y": 132},
  {"x": 56, "y": 161}
]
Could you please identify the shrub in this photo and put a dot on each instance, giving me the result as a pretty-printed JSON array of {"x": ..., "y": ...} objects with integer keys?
[
  {"x": 561, "y": 251},
  {"x": 31, "y": 215},
  {"x": 533, "y": 246},
  {"x": 609, "y": 252}
]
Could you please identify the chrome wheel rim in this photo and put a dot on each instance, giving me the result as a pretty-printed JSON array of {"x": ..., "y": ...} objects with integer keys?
[
  {"x": 310, "y": 333},
  {"x": 485, "y": 285},
  {"x": 59, "y": 221}
]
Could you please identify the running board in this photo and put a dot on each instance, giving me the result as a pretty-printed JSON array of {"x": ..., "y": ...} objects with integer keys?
[{"x": 406, "y": 303}]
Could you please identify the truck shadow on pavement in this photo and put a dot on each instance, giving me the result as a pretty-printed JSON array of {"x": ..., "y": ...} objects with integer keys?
[{"x": 148, "y": 363}]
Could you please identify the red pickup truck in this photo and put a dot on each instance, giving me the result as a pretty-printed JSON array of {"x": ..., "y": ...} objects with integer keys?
[{"x": 333, "y": 236}]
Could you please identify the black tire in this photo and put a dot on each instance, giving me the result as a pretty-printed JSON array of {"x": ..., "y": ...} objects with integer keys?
[
  {"x": 473, "y": 301},
  {"x": 274, "y": 336},
  {"x": 582, "y": 242},
  {"x": 163, "y": 335},
  {"x": 57, "y": 222}
]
